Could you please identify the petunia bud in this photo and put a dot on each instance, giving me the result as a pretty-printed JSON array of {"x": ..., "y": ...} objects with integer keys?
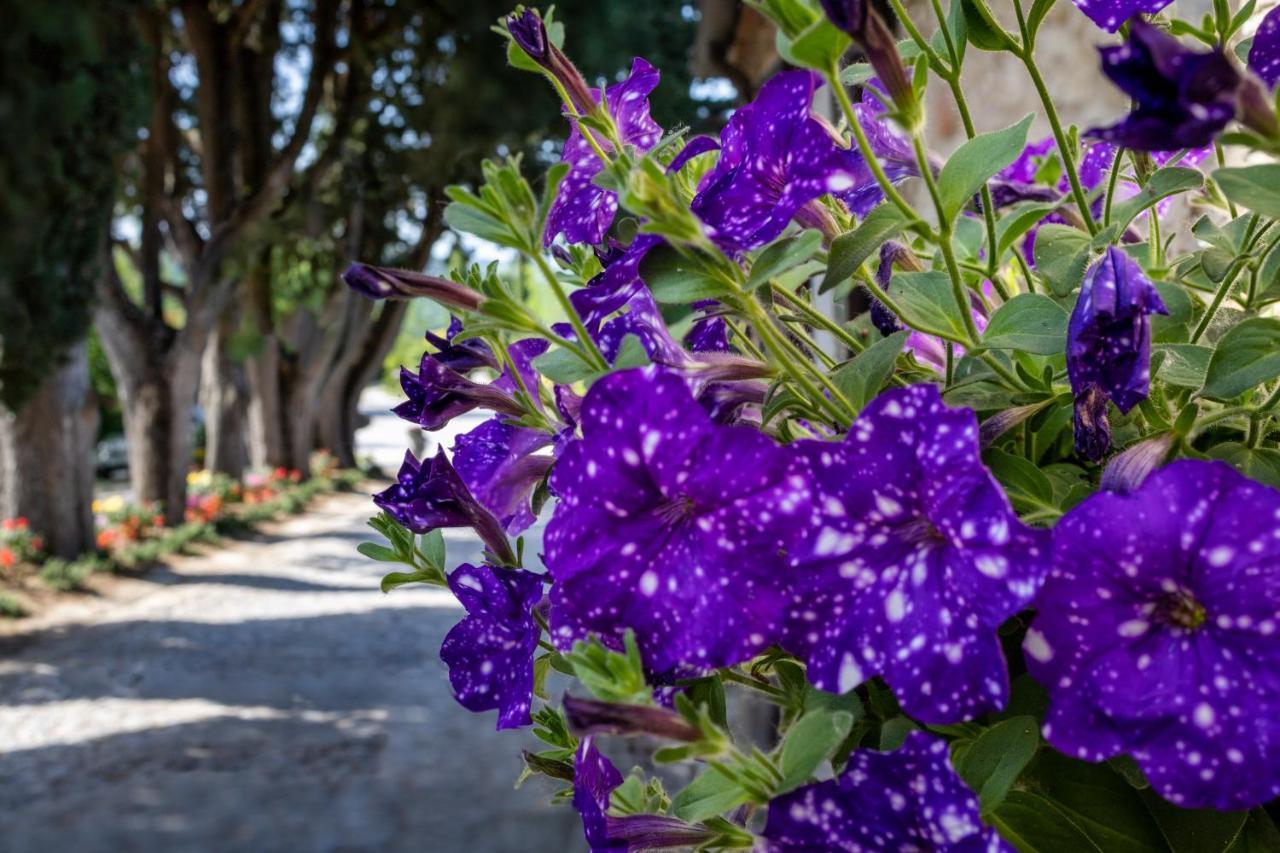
[
  {"x": 530, "y": 34},
  {"x": 589, "y": 717},
  {"x": 891, "y": 254},
  {"x": 1126, "y": 472},
  {"x": 389, "y": 283},
  {"x": 848, "y": 15},
  {"x": 1109, "y": 346},
  {"x": 655, "y": 832}
]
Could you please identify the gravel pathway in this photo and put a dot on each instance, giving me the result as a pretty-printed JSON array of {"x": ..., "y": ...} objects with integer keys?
[{"x": 265, "y": 697}]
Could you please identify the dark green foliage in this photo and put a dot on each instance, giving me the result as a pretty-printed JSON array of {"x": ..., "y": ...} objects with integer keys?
[{"x": 70, "y": 105}]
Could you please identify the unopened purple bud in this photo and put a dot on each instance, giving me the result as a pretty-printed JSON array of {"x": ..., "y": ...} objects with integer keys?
[
  {"x": 589, "y": 717},
  {"x": 891, "y": 254},
  {"x": 389, "y": 283},
  {"x": 655, "y": 832},
  {"x": 1126, "y": 472},
  {"x": 848, "y": 15},
  {"x": 530, "y": 34}
]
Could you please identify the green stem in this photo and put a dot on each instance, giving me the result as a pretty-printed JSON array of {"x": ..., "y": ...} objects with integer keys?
[
  {"x": 1027, "y": 55},
  {"x": 1222, "y": 161},
  {"x": 1228, "y": 281},
  {"x": 1111, "y": 186},
  {"x": 864, "y": 145},
  {"x": 736, "y": 677},
  {"x": 818, "y": 318},
  {"x": 585, "y": 343},
  {"x": 958, "y": 288}
]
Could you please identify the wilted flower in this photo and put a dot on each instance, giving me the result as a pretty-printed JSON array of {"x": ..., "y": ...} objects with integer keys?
[
  {"x": 1182, "y": 98},
  {"x": 909, "y": 799},
  {"x": 438, "y": 394},
  {"x": 425, "y": 497},
  {"x": 1109, "y": 346},
  {"x": 916, "y": 560},
  {"x": 490, "y": 652},
  {"x": 776, "y": 160},
  {"x": 583, "y": 211},
  {"x": 670, "y": 525},
  {"x": 1111, "y": 14},
  {"x": 1157, "y": 634}
]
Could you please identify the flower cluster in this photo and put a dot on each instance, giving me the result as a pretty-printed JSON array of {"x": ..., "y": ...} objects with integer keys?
[
  {"x": 18, "y": 543},
  {"x": 1010, "y": 534}
]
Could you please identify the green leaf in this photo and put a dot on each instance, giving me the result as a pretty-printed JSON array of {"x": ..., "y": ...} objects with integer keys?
[
  {"x": 1099, "y": 801},
  {"x": 974, "y": 162},
  {"x": 818, "y": 46},
  {"x": 861, "y": 379},
  {"x": 469, "y": 219},
  {"x": 993, "y": 762},
  {"x": 1029, "y": 322},
  {"x": 1254, "y": 187},
  {"x": 1257, "y": 463},
  {"x": 378, "y": 552},
  {"x": 1061, "y": 254},
  {"x": 675, "y": 279},
  {"x": 1259, "y": 835},
  {"x": 1019, "y": 220},
  {"x": 432, "y": 547},
  {"x": 782, "y": 255},
  {"x": 926, "y": 302},
  {"x": 1194, "y": 831},
  {"x": 1245, "y": 357},
  {"x": 809, "y": 742},
  {"x": 394, "y": 579},
  {"x": 563, "y": 367},
  {"x": 1162, "y": 184},
  {"x": 1024, "y": 481},
  {"x": 1183, "y": 365},
  {"x": 1034, "y": 825},
  {"x": 985, "y": 33},
  {"x": 851, "y": 249},
  {"x": 711, "y": 794}
]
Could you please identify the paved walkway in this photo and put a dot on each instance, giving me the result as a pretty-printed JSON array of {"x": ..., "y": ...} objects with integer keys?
[{"x": 261, "y": 698}]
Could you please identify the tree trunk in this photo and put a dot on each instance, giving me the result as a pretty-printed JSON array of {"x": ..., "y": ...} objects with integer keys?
[
  {"x": 223, "y": 399},
  {"x": 340, "y": 406},
  {"x": 47, "y": 458}
]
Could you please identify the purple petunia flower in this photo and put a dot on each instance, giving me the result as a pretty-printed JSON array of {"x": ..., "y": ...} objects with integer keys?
[
  {"x": 426, "y": 497},
  {"x": 501, "y": 465},
  {"x": 1157, "y": 634},
  {"x": 583, "y": 211},
  {"x": 1264, "y": 53},
  {"x": 910, "y": 799},
  {"x": 915, "y": 561},
  {"x": 490, "y": 652},
  {"x": 1109, "y": 346},
  {"x": 776, "y": 161},
  {"x": 463, "y": 356},
  {"x": 594, "y": 778},
  {"x": 438, "y": 394},
  {"x": 670, "y": 525},
  {"x": 1182, "y": 98},
  {"x": 1111, "y": 14}
]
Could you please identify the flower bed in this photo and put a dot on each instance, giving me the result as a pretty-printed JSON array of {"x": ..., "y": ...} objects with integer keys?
[
  {"x": 1003, "y": 551},
  {"x": 130, "y": 536}
]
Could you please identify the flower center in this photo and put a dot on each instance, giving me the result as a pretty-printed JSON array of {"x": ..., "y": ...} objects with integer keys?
[
  {"x": 1180, "y": 609},
  {"x": 676, "y": 510},
  {"x": 920, "y": 531}
]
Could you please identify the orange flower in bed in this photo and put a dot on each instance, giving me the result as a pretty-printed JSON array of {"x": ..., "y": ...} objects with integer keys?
[{"x": 7, "y": 558}]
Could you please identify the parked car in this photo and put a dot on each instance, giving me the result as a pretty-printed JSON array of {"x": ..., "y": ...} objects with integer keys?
[{"x": 112, "y": 455}]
